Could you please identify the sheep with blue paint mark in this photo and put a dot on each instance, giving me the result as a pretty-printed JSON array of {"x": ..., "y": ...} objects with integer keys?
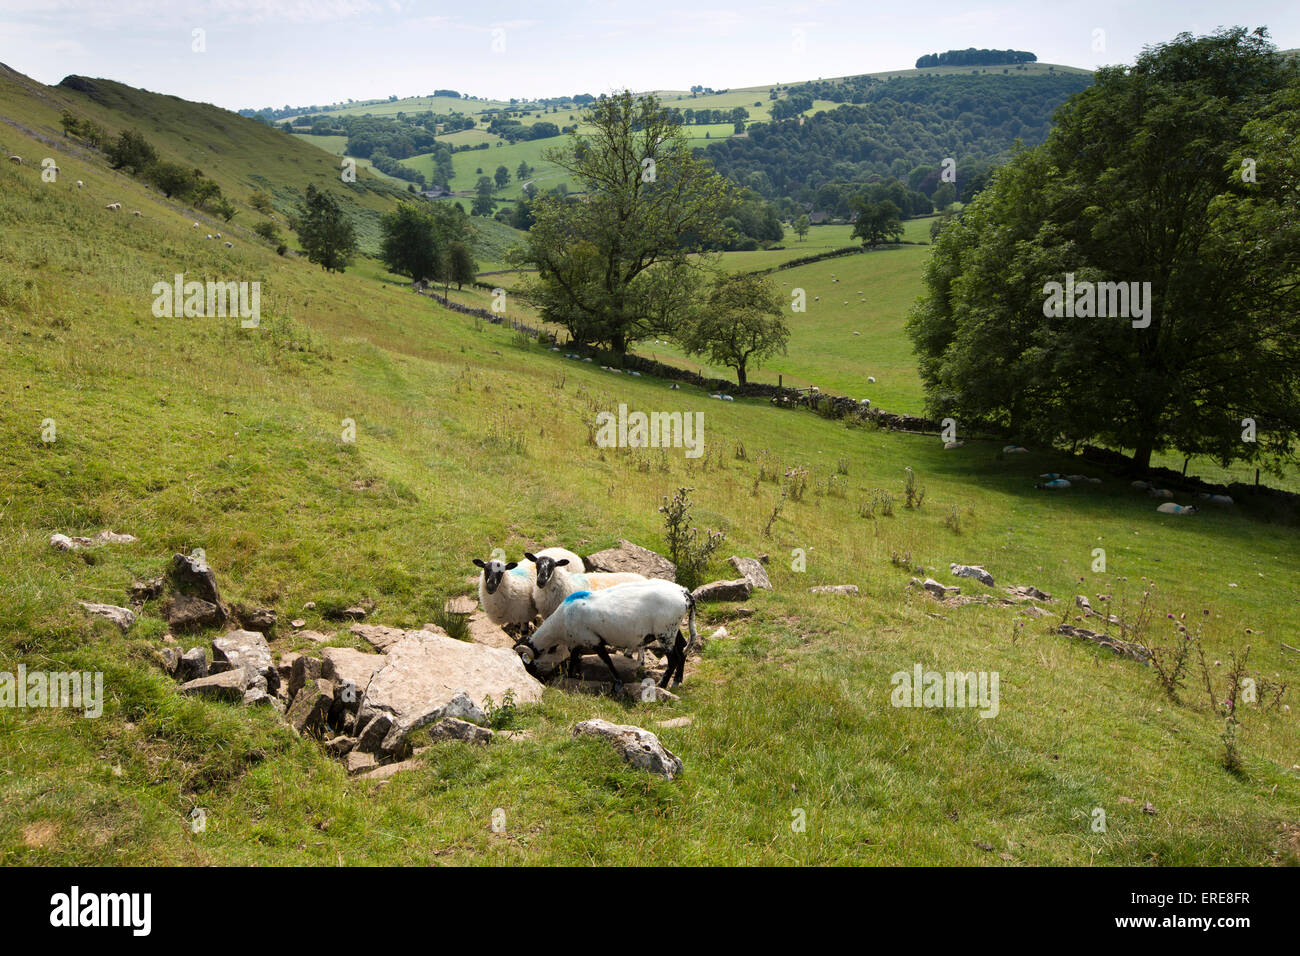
[
  {"x": 1170, "y": 508},
  {"x": 627, "y": 617}
]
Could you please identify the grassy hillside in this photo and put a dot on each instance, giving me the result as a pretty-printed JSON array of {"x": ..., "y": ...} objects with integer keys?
[
  {"x": 240, "y": 155},
  {"x": 196, "y": 433}
]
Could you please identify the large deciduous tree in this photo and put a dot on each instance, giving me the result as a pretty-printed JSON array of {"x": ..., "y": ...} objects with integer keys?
[
  {"x": 740, "y": 324},
  {"x": 417, "y": 238},
  {"x": 647, "y": 203},
  {"x": 326, "y": 233},
  {"x": 1145, "y": 179}
]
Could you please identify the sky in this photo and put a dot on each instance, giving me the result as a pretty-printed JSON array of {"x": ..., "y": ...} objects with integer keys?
[{"x": 255, "y": 53}]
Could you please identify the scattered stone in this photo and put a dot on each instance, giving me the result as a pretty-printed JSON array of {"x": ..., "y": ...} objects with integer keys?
[
  {"x": 426, "y": 670},
  {"x": 358, "y": 762},
  {"x": 972, "y": 571},
  {"x": 354, "y": 613},
  {"x": 309, "y": 606},
  {"x": 193, "y": 665},
  {"x": 514, "y": 734},
  {"x": 737, "y": 590},
  {"x": 638, "y": 747},
  {"x": 298, "y": 622},
  {"x": 674, "y": 722},
  {"x": 64, "y": 543},
  {"x": 185, "y": 612},
  {"x": 752, "y": 571},
  {"x": 849, "y": 589},
  {"x": 632, "y": 557},
  {"x": 121, "y": 616},
  {"x": 193, "y": 575},
  {"x": 743, "y": 612},
  {"x": 258, "y": 619},
  {"x": 1134, "y": 652},
  {"x": 303, "y": 670},
  {"x": 316, "y": 636},
  {"x": 453, "y": 728},
  {"x": 935, "y": 588},
  {"x": 385, "y": 773},
  {"x": 381, "y": 638},
  {"x": 227, "y": 686},
  {"x": 463, "y": 604},
  {"x": 1038, "y": 611},
  {"x": 1028, "y": 592},
  {"x": 142, "y": 591},
  {"x": 247, "y": 650},
  {"x": 310, "y": 707}
]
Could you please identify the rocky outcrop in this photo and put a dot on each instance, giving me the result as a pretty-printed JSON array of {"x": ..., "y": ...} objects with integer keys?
[
  {"x": 380, "y": 638},
  {"x": 227, "y": 686},
  {"x": 247, "y": 650},
  {"x": 193, "y": 576},
  {"x": 972, "y": 571},
  {"x": 425, "y": 670},
  {"x": 185, "y": 612}
]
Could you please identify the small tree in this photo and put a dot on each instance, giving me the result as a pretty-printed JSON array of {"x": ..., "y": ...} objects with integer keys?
[
  {"x": 172, "y": 179},
  {"x": 483, "y": 204},
  {"x": 71, "y": 125},
  {"x": 741, "y": 324},
  {"x": 878, "y": 222},
  {"x": 461, "y": 265},
  {"x": 502, "y": 177},
  {"x": 801, "y": 226},
  {"x": 261, "y": 202},
  {"x": 131, "y": 151},
  {"x": 325, "y": 232}
]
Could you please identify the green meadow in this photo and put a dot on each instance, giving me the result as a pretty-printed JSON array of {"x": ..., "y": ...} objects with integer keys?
[{"x": 196, "y": 433}]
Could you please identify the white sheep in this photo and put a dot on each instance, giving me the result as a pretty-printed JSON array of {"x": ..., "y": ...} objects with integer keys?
[
  {"x": 506, "y": 592},
  {"x": 1160, "y": 493},
  {"x": 1169, "y": 508},
  {"x": 627, "y": 617},
  {"x": 555, "y": 581},
  {"x": 1014, "y": 450},
  {"x": 230, "y": 245},
  {"x": 1216, "y": 499},
  {"x": 1140, "y": 485},
  {"x": 1054, "y": 484},
  {"x": 871, "y": 380},
  {"x": 950, "y": 445},
  {"x": 80, "y": 184}
]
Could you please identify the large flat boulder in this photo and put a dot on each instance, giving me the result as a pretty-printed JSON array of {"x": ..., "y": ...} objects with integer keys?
[
  {"x": 350, "y": 672},
  {"x": 752, "y": 570},
  {"x": 424, "y": 672},
  {"x": 483, "y": 631},
  {"x": 381, "y": 638},
  {"x": 247, "y": 650},
  {"x": 632, "y": 557}
]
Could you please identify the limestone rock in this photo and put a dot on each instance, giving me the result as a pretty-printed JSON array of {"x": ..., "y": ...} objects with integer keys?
[
  {"x": 425, "y": 671},
  {"x": 483, "y": 631},
  {"x": 358, "y": 762},
  {"x": 973, "y": 571},
  {"x": 381, "y": 638},
  {"x": 258, "y": 619},
  {"x": 632, "y": 557},
  {"x": 463, "y": 604},
  {"x": 170, "y": 658},
  {"x": 453, "y": 728},
  {"x": 193, "y": 575},
  {"x": 341, "y": 745},
  {"x": 752, "y": 571},
  {"x": 192, "y": 665},
  {"x": 737, "y": 590},
  {"x": 247, "y": 650},
  {"x": 302, "y": 670},
  {"x": 849, "y": 589},
  {"x": 638, "y": 747},
  {"x": 185, "y": 612},
  {"x": 121, "y": 616},
  {"x": 227, "y": 686},
  {"x": 938, "y": 590},
  {"x": 1028, "y": 592}
]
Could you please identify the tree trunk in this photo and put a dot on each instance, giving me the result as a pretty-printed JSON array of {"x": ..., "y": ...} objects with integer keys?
[
  {"x": 740, "y": 375},
  {"x": 1141, "y": 463}
]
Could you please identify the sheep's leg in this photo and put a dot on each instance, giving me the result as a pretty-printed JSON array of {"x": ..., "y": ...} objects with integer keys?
[
  {"x": 676, "y": 662},
  {"x": 603, "y": 652},
  {"x": 574, "y": 666}
]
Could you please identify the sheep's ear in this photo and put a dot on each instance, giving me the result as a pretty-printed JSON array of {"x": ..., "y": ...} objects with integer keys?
[
  {"x": 512, "y": 564},
  {"x": 562, "y": 562},
  {"x": 479, "y": 562},
  {"x": 530, "y": 556}
]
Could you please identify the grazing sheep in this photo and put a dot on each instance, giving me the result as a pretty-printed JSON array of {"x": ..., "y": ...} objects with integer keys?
[
  {"x": 506, "y": 592},
  {"x": 196, "y": 225},
  {"x": 218, "y": 235},
  {"x": 135, "y": 212},
  {"x": 1055, "y": 483},
  {"x": 80, "y": 184},
  {"x": 1160, "y": 493},
  {"x": 1169, "y": 508},
  {"x": 115, "y": 206},
  {"x": 1216, "y": 499},
  {"x": 555, "y": 581},
  {"x": 209, "y": 236},
  {"x": 627, "y": 617},
  {"x": 1140, "y": 485},
  {"x": 16, "y": 159},
  {"x": 950, "y": 445},
  {"x": 871, "y": 380},
  {"x": 1014, "y": 450},
  {"x": 230, "y": 245}
]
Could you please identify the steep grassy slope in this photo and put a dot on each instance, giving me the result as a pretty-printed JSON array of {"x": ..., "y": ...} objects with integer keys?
[
  {"x": 239, "y": 154},
  {"x": 196, "y": 433}
]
